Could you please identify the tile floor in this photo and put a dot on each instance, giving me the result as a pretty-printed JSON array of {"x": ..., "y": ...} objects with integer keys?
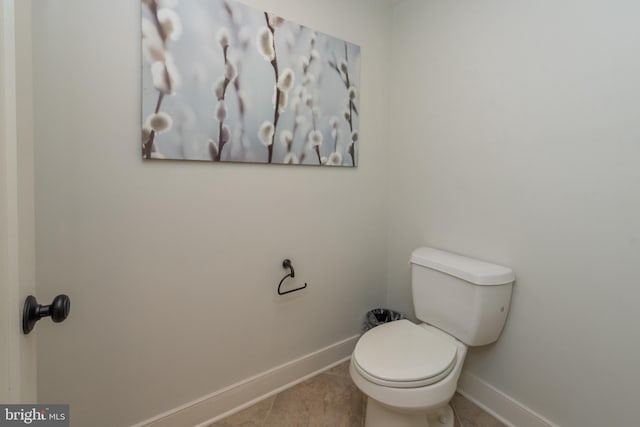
[{"x": 330, "y": 399}]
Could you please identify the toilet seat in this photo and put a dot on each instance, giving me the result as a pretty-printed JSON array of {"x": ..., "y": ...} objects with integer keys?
[{"x": 404, "y": 355}]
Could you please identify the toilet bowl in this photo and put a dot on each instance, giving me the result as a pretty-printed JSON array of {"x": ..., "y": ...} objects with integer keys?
[{"x": 409, "y": 372}]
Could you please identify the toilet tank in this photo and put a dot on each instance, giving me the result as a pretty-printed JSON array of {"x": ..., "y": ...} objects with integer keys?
[{"x": 464, "y": 297}]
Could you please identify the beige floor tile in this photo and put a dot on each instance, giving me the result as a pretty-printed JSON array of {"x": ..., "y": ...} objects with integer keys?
[
  {"x": 253, "y": 416},
  {"x": 342, "y": 405},
  {"x": 471, "y": 415},
  {"x": 341, "y": 370},
  {"x": 332, "y": 400},
  {"x": 322, "y": 401}
]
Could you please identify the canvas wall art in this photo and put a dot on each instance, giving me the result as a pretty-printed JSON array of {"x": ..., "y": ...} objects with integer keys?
[{"x": 224, "y": 82}]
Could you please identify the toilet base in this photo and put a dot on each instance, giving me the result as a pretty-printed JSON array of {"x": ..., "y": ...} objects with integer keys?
[{"x": 379, "y": 415}]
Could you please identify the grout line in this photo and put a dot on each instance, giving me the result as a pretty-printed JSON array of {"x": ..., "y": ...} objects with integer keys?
[
  {"x": 334, "y": 374},
  {"x": 364, "y": 407},
  {"x": 455, "y": 414},
  {"x": 264, "y": 421}
]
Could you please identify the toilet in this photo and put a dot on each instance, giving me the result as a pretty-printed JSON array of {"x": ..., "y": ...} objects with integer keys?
[{"x": 409, "y": 372}]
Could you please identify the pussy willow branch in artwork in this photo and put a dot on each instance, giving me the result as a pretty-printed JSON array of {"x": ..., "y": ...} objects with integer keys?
[{"x": 224, "y": 82}]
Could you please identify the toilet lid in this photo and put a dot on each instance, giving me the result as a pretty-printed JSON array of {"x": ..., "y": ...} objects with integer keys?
[{"x": 403, "y": 354}]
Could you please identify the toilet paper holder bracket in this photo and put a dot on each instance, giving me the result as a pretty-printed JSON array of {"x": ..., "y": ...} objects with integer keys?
[{"x": 287, "y": 264}]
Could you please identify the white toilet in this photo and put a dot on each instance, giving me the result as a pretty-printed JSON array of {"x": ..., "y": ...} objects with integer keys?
[{"x": 409, "y": 372}]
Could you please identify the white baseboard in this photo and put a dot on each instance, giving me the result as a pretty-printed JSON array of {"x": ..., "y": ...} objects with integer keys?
[
  {"x": 505, "y": 408},
  {"x": 222, "y": 403}
]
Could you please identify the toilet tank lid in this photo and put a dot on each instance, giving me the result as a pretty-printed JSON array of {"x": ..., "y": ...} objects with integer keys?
[{"x": 469, "y": 269}]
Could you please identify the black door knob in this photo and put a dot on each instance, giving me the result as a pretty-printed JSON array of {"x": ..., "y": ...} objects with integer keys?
[{"x": 32, "y": 311}]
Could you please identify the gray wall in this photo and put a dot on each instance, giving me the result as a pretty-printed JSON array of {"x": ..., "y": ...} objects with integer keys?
[
  {"x": 172, "y": 267},
  {"x": 515, "y": 139}
]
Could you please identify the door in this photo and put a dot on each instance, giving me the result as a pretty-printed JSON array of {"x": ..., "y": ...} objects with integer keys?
[{"x": 17, "y": 260}]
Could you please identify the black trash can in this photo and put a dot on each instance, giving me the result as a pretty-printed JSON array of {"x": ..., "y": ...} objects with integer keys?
[{"x": 378, "y": 316}]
